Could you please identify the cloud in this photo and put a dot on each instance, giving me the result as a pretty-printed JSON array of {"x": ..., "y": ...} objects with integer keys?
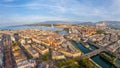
[{"x": 65, "y": 10}]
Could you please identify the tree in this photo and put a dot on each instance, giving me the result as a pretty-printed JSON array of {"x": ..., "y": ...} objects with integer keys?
[
  {"x": 100, "y": 32},
  {"x": 45, "y": 57},
  {"x": 57, "y": 31}
]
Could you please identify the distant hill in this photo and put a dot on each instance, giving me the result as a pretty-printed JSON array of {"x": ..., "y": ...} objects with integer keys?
[
  {"x": 54, "y": 22},
  {"x": 65, "y": 22},
  {"x": 112, "y": 24},
  {"x": 87, "y": 23}
]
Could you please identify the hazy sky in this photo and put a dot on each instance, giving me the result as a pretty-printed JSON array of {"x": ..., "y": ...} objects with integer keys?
[{"x": 30, "y": 11}]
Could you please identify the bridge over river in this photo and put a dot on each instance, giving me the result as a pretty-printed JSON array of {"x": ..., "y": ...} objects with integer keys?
[{"x": 95, "y": 52}]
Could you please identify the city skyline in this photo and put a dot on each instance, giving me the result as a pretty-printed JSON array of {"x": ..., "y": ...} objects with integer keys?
[{"x": 33, "y": 11}]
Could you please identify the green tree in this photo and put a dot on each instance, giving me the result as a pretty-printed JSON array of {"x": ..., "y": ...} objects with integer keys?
[{"x": 100, "y": 32}]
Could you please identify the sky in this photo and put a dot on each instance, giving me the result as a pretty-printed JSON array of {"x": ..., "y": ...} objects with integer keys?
[{"x": 34, "y": 11}]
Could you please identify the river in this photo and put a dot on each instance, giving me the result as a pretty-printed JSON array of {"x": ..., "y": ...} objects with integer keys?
[{"x": 103, "y": 63}]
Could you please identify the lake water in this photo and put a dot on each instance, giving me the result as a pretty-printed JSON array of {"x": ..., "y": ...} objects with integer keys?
[
  {"x": 28, "y": 27},
  {"x": 61, "y": 31}
]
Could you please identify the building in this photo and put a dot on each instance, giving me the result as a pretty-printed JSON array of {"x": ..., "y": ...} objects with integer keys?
[
  {"x": 1, "y": 56},
  {"x": 42, "y": 49},
  {"x": 6, "y": 42},
  {"x": 57, "y": 55},
  {"x": 27, "y": 64},
  {"x": 19, "y": 56},
  {"x": 101, "y": 26},
  {"x": 33, "y": 52}
]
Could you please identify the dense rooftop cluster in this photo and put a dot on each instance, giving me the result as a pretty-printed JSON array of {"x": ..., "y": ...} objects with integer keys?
[{"x": 35, "y": 48}]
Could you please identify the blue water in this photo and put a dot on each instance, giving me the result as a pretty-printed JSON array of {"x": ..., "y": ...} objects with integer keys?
[
  {"x": 81, "y": 47},
  {"x": 62, "y": 32},
  {"x": 93, "y": 47},
  {"x": 103, "y": 63},
  {"x": 28, "y": 27}
]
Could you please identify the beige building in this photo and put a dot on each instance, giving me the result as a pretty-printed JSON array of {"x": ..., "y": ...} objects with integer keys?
[
  {"x": 101, "y": 26},
  {"x": 33, "y": 52},
  {"x": 42, "y": 50},
  {"x": 68, "y": 54}
]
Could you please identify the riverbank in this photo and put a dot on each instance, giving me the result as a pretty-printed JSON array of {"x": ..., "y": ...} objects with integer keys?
[
  {"x": 99, "y": 61},
  {"x": 109, "y": 58}
]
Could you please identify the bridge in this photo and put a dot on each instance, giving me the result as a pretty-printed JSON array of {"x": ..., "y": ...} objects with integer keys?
[{"x": 95, "y": 52}]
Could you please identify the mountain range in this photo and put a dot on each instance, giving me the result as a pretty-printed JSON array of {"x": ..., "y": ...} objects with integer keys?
[{"x": 112, "y": 24}]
